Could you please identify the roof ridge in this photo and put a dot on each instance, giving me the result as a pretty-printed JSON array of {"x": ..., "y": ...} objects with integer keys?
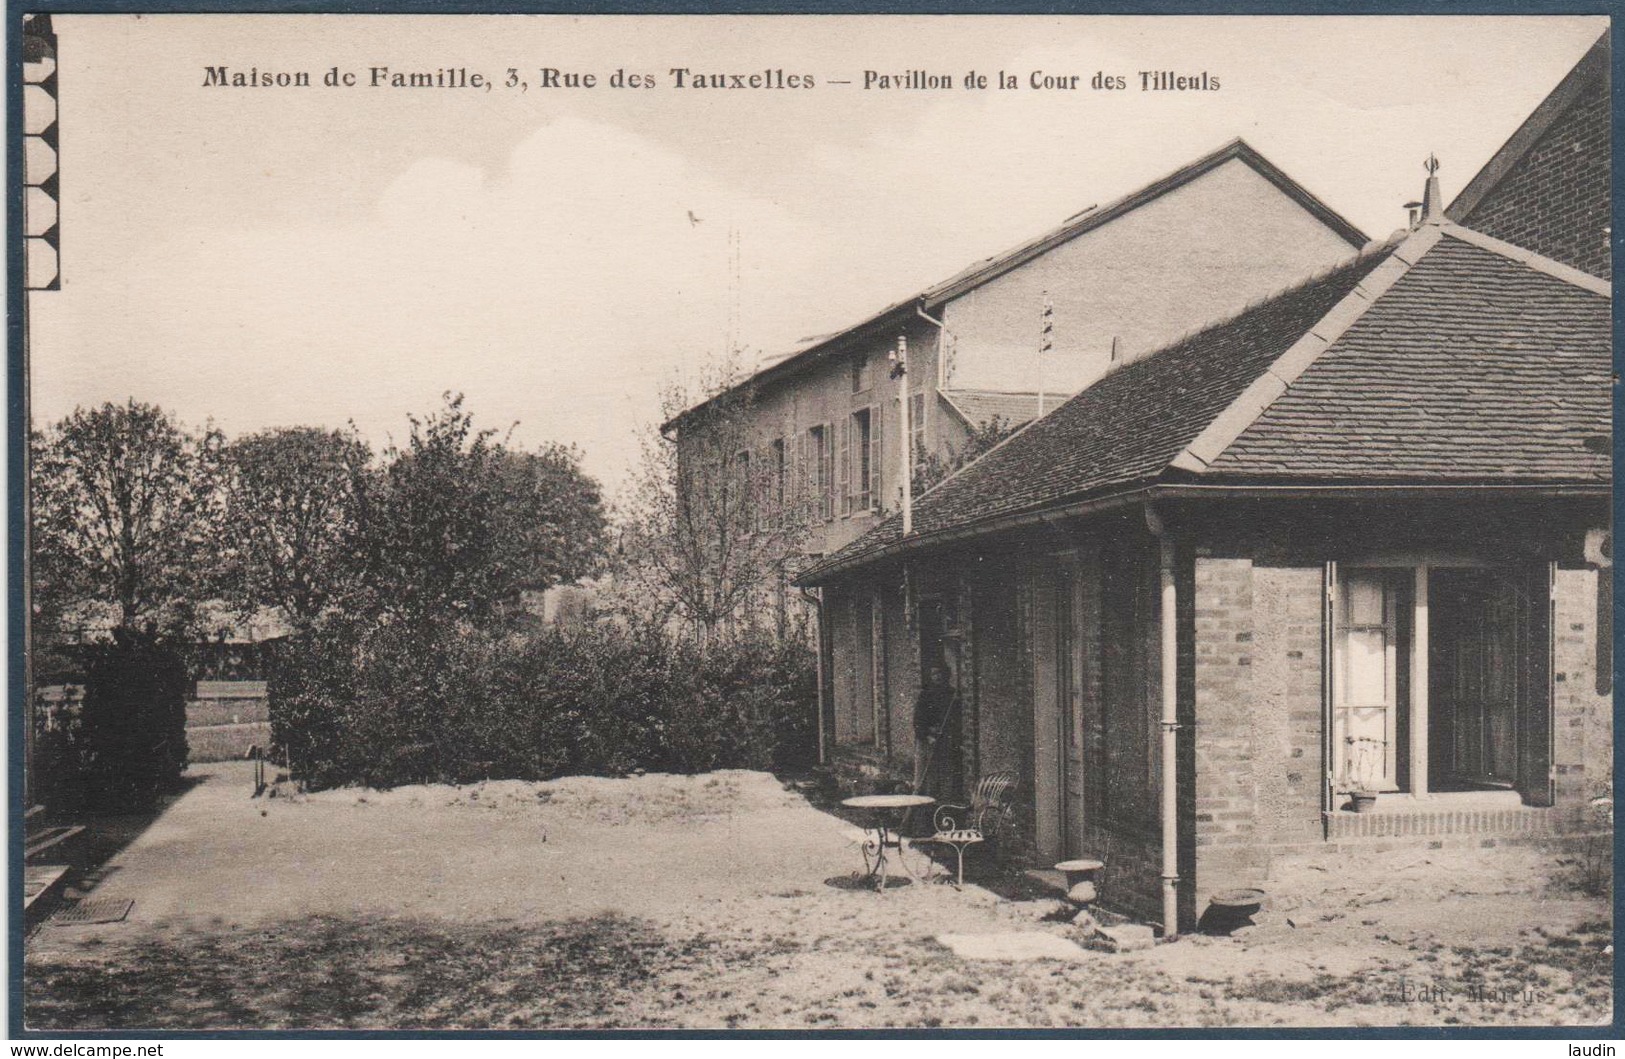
[
  {"x": 1391, "y": 247},
  {"x": 1556, "y": 103},
  {"x": 947, "y": 395},
  {"x": 985, "y": 390},
  {"x": 1252, "y": 402},
  {"x": 991, "y": 267},
  {"x": 1529, "y": 259},
  {"x": 1086, "y": 220}
]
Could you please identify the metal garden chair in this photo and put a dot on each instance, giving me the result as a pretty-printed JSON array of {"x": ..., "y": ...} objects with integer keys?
[{"x": 963, "y": 826}]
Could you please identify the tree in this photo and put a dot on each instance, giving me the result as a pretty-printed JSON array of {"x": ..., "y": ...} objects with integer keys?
[
  {"x": 552, "y": 528},
  {"x": 931, "y": 467},
  {"x": 292, "y": 522},
  {"x": 717, "y": 516},
  {"x": 125, "y": 507},
  {"x": 456, "y": 523}
]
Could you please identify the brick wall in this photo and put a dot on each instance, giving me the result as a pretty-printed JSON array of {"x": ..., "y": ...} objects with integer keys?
[
  {"x": 1557, "y": 199},
  {"x": 1226, "y": 786},
  {"x": 1257, "y": 634},
  {"x": 1131, "y": 881},
  {"x": 1287, "y": 712},
  {"x": 902, "y": 674},
  {"x": 1582, "y": 724}
]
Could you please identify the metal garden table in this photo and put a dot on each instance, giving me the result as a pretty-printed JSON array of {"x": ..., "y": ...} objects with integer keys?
[{"x": 885, "y": 813}]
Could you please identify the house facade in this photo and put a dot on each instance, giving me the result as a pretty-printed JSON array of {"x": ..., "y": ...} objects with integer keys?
[
  {"x": 1350, "y": 540},
  {"x": 1116, "y": 280}
]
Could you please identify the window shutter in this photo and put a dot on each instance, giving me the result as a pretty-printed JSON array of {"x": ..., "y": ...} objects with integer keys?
[
  {"x": 803, "y": 479},
  {"x": 784, "y": 481},
  {"x": 875, "y": 451},
  {"x": 826, "y": 471},
  {"x": 843, "y": 467}
]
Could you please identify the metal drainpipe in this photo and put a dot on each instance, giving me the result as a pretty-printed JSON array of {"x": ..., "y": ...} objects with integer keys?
[
  {"x": 1170, "y": 724},
  {"x": 816, "y": 598},
  {"x": 942, "y": 330}
]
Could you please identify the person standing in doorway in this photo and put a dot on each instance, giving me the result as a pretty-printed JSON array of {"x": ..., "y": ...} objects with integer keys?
[{"x": 933, "y": 710}]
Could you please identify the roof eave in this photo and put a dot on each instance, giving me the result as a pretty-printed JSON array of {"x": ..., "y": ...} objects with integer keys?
[
  {"x": 960, "y": 284},
  {"x": 823, "y": 348},
  {"x": 1419, "y": 489}
]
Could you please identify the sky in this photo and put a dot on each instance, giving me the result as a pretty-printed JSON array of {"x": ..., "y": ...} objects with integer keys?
[{"x": 261, "y": 257}]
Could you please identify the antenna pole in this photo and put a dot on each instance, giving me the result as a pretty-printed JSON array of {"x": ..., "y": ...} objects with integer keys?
[
  {"x": 905, "y": 443},
  {"x": 1046, "y": 336}
]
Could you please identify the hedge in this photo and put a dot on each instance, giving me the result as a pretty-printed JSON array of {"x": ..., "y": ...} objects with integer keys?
[
  {"x": 124, "y": 743},
  {"x": 390, "y": 704}
]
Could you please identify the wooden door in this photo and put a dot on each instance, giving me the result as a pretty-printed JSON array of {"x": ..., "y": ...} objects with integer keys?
[
  {"x": 1488, "y": 677},
  {"x": 1057, "y": 735},
  {"x": 1070, "y": 683}
]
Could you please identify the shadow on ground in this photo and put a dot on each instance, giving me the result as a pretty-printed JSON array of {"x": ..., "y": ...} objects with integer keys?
[
  {"x": 368, "y": 972},
  {"x": 88, "y": 853}
]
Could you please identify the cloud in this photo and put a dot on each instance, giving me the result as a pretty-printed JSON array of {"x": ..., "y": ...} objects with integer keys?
[{"x": 557, "y": 292}]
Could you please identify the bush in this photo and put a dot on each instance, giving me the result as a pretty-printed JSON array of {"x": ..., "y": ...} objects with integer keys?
[
  {"x": 130, "y": 734},
  {"x": 58, "y": 779},
  {"x": 393, "y": 704}
]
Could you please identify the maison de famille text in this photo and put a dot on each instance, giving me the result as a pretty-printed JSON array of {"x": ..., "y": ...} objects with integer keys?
[{"x": 683, "y": 77}]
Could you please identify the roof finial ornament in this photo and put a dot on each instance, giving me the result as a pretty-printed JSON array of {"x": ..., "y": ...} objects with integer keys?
[{"x": 1432, "y": 201}]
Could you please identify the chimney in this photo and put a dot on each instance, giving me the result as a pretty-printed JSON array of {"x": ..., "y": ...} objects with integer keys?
[{"x": 1432, "y": 201}]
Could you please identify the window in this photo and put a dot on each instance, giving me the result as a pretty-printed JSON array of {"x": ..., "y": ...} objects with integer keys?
[
  {"x": 820, "y": 472},
  {"x": 861, "y": 379},
  {"x": 740, "y": 486},
  {"x": 1365, "y": 721},
  {"x": 1440, "y": 679},
  {"x": 843, "y": 467},
  {"x": 776, "y": 461},
  {"x": 860, "y": 475}
]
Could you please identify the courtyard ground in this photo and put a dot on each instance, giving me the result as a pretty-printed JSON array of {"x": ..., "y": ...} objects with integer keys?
[{"x": 726, "y": 900}]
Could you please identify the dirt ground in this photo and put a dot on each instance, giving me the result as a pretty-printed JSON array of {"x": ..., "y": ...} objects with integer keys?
[{"x": 726, "y": 900}]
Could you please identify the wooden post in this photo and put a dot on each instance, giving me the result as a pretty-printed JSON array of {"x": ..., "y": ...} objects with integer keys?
[{"x": 1419, "y": 686}]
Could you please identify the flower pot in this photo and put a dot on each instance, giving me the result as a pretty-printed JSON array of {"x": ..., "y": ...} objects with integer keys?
[{"x": 1363, "y": 801}]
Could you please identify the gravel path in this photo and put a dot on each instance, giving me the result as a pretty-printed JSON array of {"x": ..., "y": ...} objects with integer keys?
[{"x": 726, "y": 900}]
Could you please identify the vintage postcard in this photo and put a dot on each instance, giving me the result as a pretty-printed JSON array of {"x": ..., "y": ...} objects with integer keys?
[{"x": 813, "y": 523}]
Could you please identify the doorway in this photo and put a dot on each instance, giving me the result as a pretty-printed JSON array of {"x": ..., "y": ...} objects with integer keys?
[
  {"x": 941, "y": 645},
  {"x": 1486, "y": 681}
]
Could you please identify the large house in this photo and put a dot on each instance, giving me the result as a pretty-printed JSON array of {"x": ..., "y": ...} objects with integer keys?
[
  {"x": 1348, "y": 540},
  {"x": 1117, "y": 280}
]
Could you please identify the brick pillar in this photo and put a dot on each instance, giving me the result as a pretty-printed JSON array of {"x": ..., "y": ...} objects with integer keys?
[{"x": 1226, "y": 788}]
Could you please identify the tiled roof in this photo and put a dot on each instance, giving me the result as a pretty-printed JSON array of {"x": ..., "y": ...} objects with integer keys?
[
  {"x": 979, "y": 407},
  {"x": 1129, "y": 424},
  {"x": 1462, "y": 358},
  {"x": 1471, "y": 367}
]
